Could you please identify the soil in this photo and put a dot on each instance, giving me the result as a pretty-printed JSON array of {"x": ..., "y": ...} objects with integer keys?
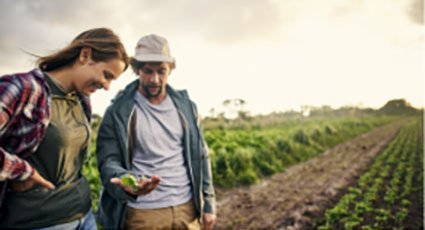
[{"x": 297, "y": 197}]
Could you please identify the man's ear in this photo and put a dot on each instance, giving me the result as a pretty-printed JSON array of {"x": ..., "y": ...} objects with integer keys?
[{"x": 85, "y": 55}]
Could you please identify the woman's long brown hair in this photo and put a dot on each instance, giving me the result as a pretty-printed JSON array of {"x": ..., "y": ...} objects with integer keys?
[{"x": 104, "y": 43}]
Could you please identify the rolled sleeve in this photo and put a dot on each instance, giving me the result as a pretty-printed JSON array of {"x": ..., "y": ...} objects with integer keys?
[{"x": 13, "y": 168}]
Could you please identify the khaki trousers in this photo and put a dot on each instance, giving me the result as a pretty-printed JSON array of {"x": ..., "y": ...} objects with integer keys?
[{"x": 178, "y": 217}]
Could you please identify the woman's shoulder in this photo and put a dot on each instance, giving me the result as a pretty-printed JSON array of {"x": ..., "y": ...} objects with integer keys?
[
  {"x": 30, "y": 85},
  {"x": 24, "y": 80}
]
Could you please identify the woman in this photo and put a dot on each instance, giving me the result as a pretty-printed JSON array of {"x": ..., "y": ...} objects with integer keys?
[{"x": 44, "y": 133}]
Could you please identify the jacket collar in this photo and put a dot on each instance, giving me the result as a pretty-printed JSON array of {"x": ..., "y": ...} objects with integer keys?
[
  {"x": 123, "y": 104},
  {"x": 131, "y": 89}
]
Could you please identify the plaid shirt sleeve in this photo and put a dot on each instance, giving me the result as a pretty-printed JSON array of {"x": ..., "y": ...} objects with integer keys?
[
  {"x": 13, "y": 167},
  {"x": 12, "y": 95}
]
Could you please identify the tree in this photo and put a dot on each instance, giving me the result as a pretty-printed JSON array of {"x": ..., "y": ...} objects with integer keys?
[
  {"x": 235, "y": 108},
  {"x": 398, "y": 107}
]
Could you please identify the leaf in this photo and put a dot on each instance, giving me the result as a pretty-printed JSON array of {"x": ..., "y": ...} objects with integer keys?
[{"x": 130, "y": 181}]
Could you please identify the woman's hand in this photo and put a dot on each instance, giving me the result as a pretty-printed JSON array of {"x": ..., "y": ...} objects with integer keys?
[{"x": 34, "y": 179}]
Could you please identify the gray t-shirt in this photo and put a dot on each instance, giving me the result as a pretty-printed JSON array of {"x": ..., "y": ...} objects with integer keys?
[{"x": 158, "y": 150}]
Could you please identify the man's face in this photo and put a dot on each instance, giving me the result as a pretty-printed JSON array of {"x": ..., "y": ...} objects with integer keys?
[{"x": 153, "y": 78}]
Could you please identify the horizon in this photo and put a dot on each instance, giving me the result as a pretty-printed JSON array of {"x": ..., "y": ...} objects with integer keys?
[{"x": 304, "y": 109}]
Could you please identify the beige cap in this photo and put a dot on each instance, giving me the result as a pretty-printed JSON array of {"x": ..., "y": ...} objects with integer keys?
[{"x": 153, "y": 48}]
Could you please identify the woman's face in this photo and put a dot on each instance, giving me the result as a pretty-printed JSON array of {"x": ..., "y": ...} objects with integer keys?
[{"x": 93, "y": 75}]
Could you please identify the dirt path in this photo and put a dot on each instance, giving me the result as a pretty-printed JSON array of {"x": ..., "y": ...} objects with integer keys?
[{"x": 294, "y": 198}]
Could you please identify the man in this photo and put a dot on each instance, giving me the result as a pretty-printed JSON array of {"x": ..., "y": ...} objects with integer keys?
[{"x": 153, "y": 130}]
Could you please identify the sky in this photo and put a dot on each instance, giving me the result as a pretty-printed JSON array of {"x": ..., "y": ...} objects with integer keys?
[{"x": 276, "y": 55}]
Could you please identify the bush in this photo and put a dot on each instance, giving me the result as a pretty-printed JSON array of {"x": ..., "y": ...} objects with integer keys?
[{"x": 301, "y": 137}]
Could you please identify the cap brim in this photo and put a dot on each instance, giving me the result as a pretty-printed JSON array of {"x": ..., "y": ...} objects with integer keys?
[{"x": 153, "y": 58}]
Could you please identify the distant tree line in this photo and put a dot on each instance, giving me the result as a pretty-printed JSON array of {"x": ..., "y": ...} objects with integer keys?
[{"x": 236, "y": 116}]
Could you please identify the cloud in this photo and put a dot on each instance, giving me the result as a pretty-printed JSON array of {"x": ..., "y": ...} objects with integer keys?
[
  {"x": 416, "y": 11},
  {"x": 242, "y": 20},
  {"x": 43, "y": 26},
  {"x": 217, "y": 21}
]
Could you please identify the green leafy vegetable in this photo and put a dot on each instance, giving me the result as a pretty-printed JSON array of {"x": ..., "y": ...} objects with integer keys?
[{"x": 130, "y": 181}]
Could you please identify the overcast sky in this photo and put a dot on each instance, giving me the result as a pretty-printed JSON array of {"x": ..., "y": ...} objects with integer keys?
[{"x": 276, "y": 55}]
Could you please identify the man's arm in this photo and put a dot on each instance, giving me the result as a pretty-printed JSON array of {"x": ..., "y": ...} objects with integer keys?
[
  {"x": 207, "y": 181},
  {"x": 110, "y": 159},
  {"x": 209, "y": 218},
  {"x": 111, "y": 165}
]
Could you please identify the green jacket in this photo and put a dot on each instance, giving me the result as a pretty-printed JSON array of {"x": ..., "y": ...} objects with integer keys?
[{"x": 114, "y": 157}]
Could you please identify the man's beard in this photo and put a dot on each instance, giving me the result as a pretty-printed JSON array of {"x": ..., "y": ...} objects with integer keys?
[{"x": 148, "y": 92}]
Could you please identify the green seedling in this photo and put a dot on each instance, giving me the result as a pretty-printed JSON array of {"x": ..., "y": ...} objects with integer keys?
[{"x": 130, "y": 180}]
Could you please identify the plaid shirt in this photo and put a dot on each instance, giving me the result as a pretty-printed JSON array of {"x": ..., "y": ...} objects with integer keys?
[{"x": 24, "y": 117}]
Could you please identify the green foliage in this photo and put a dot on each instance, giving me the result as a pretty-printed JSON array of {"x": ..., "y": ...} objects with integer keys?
[
  {"x": 301, "y": 137},
  {"x": 90, "y": 170},
  {"x": 238, "y": 154},
  {"x": 329, "y": 129},
  {"x": 248, "y": 177},
  {"x": 283, "y": 145},
  {"x": 92, "y": 175},
  {"x": 391, "y": 175}
]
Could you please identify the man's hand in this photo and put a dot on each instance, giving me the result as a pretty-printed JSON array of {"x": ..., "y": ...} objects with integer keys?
[
  {"x": 144, "y": 186},
  {"x": 35, "y": 178},
  {"x": 209, "y": 221}
]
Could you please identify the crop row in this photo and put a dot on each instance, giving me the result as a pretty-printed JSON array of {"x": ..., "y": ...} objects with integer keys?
[
  {"x": 245, "y": 156},
  {"x": 381, "y": 197}
]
